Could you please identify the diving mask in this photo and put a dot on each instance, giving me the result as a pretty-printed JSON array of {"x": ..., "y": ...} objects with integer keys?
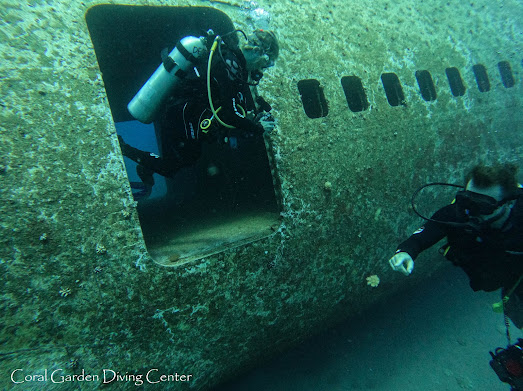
[
  {"x": 261, "y": 49},
  {"x": 476, "y": 204}
]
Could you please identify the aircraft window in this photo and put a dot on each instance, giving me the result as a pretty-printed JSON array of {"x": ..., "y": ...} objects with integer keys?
[
  {"x": 455, "y": 81},
  {"x": 354, "y": 93},
  {"x": 426, "y": 85},
  {"x": 313, "y": 98},
  {"x": 505, "y": 72},
  {"x": 393, "y": 89},
  {"x": 480, "y": 72}
]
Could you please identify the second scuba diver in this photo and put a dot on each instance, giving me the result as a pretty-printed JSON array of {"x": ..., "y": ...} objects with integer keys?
[{"x": 204, "y": 91}]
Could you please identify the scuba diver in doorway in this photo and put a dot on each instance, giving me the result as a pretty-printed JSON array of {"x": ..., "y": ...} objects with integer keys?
[
  {"x": 484, "y": 232},
  {"x": 204, "y": 90}
]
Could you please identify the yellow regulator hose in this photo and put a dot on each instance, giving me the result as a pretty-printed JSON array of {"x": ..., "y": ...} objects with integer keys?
[{"x": 214, "y": 112}]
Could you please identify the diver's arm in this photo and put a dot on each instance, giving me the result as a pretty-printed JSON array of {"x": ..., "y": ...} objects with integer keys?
[
  {"x": 429, "y": 234},
  {"x": 235, "y": 113},
  {"x": 423, "y": 238}
]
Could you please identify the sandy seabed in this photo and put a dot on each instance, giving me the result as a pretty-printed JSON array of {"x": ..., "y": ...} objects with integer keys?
[{"x": 436, "y": 337}]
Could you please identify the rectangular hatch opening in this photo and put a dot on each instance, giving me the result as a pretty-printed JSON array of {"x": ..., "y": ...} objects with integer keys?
[{"x": 229, "y": 195}]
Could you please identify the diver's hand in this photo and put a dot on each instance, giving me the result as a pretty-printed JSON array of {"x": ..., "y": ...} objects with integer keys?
[
  {"x": 402, "y": 262},
  {"x": 267, "y": 121}
]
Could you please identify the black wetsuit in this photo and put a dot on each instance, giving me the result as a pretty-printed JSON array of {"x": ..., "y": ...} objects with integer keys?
[
  {"x": 492, "y": 258},
  {"x": 178, "y": 128}
]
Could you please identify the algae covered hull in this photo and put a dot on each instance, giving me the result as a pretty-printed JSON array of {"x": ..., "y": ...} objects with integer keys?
[{"x": 372, "y": 100}]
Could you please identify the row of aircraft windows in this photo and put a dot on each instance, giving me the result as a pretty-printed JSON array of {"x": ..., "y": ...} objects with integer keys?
[{"x": 315, "y": 103}]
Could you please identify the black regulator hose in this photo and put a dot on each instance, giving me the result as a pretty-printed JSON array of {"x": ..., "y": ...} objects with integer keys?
[{"x": 413, "y": 198}]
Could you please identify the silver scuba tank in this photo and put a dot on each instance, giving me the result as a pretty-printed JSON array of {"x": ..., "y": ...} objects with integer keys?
[{"x": 148, "y": 101}]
